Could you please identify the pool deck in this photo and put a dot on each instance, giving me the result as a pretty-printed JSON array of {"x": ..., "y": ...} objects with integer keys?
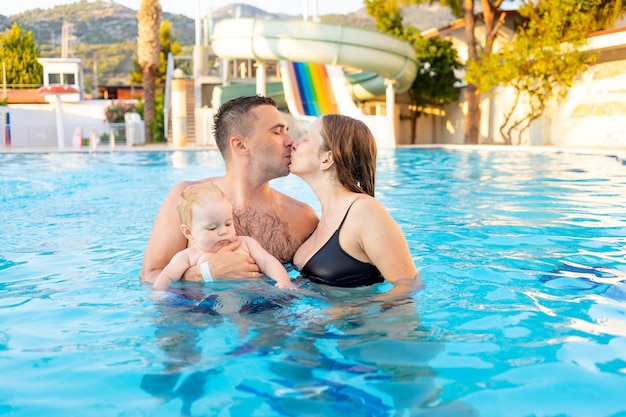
[
  {"x": 618, "y": 153},
  {"x": 163, "y": 147}
]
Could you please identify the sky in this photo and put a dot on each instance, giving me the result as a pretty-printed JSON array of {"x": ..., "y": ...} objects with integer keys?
[{"x": 188, "y": 7}]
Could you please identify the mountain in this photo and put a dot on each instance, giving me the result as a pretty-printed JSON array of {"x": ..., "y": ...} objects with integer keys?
[
  {"x": 105, "y": 33},
  {"x": 96, "y": 22},
  {"x": 428, "y": 16},
  {"x": 5, "y": 22}
]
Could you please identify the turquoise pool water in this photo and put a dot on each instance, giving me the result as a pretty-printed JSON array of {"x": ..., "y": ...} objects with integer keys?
[{"x": 524, "y": 313}]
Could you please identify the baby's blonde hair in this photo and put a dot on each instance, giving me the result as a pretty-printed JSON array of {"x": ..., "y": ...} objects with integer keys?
[{"x": 194, "y": 195}]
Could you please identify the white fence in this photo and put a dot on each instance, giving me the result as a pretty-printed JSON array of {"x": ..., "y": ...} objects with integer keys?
[{"x": 75, "y": 136}]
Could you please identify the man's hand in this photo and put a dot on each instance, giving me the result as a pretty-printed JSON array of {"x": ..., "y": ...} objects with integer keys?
[{"x": 226, "y": 263}]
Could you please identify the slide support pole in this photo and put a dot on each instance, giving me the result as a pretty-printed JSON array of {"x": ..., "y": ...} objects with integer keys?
[{"x": 260, "y": 78}]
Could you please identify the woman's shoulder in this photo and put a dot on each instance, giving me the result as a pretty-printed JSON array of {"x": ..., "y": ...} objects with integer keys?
[
  {"x": 365, "y": 202},
  {"x": 367, "y": 209}
]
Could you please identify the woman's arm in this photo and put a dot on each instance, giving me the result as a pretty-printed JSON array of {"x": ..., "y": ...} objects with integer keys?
[{"x": 383, "y": 242}]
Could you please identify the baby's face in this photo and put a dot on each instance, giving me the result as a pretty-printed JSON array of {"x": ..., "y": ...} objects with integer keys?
[{"x": 212, "y": 226}]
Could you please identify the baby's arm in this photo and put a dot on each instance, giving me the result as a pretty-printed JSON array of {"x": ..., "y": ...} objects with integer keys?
[
  {"x": 268, "y": 264},
  {"x": 173, "y": 271}
]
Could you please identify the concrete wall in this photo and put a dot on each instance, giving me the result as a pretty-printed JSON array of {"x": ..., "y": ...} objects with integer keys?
[
  {"x": 594, "y": 111},
  {"x": 592, "y": 114},
  {"x": 35, "y": 124}
]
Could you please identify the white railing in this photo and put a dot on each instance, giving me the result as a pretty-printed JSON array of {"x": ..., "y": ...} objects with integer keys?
[{"x": 44, "y": 135}]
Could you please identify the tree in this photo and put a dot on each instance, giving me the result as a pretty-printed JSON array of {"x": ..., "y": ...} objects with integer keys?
[
  {"x": 148, "y": 48},
  {"x": 493, "y": 19},
  {"x": 434, "y": 84},
  {"x": 19, "y": 53},
  {"x": 436, "y": 80},
  {"x": 601, "y": 14},
  {"x": 168, "y": 44},
  {"x": 541, "y": 62},
  {"x": 388, "y": 18}
]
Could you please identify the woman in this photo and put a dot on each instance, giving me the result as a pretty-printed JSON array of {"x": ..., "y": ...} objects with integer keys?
[{"x": 356, "y": 242}]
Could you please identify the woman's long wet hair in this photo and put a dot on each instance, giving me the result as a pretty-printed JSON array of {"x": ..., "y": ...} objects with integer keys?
[{"x": 353, "y": 148}]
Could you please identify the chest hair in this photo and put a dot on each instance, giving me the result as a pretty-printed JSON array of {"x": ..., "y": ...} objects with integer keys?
[{"x": 269, "y": 229}]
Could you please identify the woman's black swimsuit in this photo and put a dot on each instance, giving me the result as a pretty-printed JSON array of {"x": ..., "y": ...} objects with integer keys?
[{"x": 331, "y": 265}]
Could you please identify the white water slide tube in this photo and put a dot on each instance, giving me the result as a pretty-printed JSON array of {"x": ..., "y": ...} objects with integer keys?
[
  {"x": 320, "y": 43},
  {"x": 303, "y": 41}
]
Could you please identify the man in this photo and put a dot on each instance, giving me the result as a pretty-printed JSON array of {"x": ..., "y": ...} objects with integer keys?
[{"x": 252, "y": 137}]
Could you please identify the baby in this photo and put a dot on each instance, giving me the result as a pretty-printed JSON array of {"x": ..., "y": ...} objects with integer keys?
[{"x": 207, "y": 222}]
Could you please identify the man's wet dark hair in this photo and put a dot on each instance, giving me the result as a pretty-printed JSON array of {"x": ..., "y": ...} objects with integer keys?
[{"x": 235, "y": 118}]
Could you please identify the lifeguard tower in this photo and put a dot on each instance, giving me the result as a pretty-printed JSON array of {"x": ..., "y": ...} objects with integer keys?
[{"x": 67, "y": 71}]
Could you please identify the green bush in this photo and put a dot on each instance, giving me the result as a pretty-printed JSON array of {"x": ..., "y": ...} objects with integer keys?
[{"x": 115, "y": 112}]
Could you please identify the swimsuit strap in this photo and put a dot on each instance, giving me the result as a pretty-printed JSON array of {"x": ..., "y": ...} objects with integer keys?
[
  {"x": 347, "y": 211},
  {"x": 342, "y": 220}
]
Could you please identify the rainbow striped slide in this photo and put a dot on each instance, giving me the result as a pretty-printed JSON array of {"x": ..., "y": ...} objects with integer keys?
[{"x": 311, "y": 87}]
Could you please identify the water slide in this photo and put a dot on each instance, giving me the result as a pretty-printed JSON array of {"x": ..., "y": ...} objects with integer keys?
[
  {"x": 316, "y": 89},
  {"x": 380, "y": 56}
]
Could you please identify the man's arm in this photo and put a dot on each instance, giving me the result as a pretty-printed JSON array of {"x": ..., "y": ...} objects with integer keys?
[{"x": 166, "y": 238}]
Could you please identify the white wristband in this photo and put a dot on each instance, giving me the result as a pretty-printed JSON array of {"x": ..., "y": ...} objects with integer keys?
[{"x": 206, "y": 273}]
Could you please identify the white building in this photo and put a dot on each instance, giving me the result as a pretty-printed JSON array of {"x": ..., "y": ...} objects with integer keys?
[
  {"x": 593, "y": 114},
  {"x": 64, "y": 71}
]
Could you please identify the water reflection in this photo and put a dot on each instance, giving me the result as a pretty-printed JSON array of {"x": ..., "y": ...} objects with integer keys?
[{"x": 319, "y": 351}]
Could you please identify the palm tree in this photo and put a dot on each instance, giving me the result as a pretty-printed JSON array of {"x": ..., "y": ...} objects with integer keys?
[{"x": 148, "y": 48}]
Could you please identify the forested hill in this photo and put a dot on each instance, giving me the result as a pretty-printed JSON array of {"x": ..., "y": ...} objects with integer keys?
[
  {"x": 99, "y": 22},
  {"x": 104, "y": 21},
  {"x": 105, "y": 33}
]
